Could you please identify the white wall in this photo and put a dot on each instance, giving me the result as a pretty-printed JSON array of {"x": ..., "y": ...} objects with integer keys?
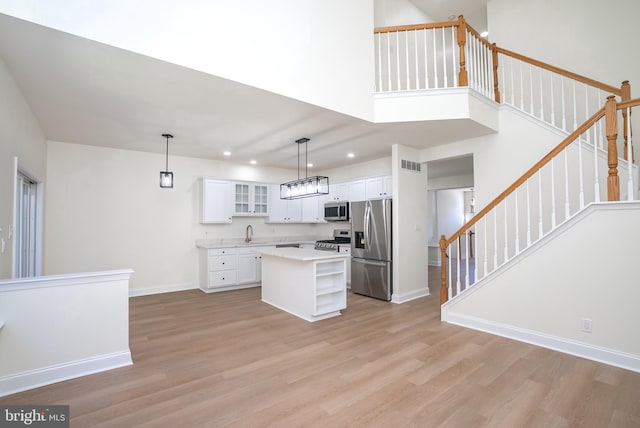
[
  {"x": 591, "y": 38},
  {"x": 543, "y": 295},
  {"x": 21, "y": 137},
  {"x": 390, "y": 13},
  {"x": 320, "y": 52},
  {"x": 61, "y": 327},
  {"x": 410, "y": 228}
]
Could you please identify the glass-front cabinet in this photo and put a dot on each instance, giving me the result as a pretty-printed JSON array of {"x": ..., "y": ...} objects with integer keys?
[{"x": 251, "y": 199}]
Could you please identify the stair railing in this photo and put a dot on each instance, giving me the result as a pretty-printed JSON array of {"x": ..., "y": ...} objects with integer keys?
[
  {"x": 552, "y": 191},
  {"x": 452, "y": 54}
]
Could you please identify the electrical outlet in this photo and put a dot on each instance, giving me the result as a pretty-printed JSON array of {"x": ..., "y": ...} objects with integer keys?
[{"x": 587, "y": 325}]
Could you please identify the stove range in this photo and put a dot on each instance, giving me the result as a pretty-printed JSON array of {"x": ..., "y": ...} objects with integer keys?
[{"x": 340, "y": 237}]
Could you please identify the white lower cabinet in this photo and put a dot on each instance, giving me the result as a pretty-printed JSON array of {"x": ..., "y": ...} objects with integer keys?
[{"x": 229, "y": 268}]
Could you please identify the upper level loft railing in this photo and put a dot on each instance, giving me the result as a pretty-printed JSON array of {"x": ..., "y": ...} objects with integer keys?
[
  {"x": 555, "y": 189},
  {"x": 452, "y": 54}
]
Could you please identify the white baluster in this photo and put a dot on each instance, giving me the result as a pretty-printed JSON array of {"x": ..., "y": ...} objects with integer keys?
[
  {"x": 466, "y": 260},
  {"x": 517, "y": 216},
  {"x": 596, "y": 189},
  {"x": 580, "y": 172},
  {"x": 398, "y": 61},
  {"x": 415, "y": 51},
  {"x": 486, "y": 70},
  {"x": 426, "y": 61},
  {"x": 379, "y": 89},
  {"x": 435, "y": 60},
  {"x": 450, "y": 253},
  {"x": 406, "y": 58},
  {"x": 506, "y": 239},
  {"x": 541, "y": 95},
  {"x": 444, "y": 59},
  {"x": 389, "y": 61},
  {"x": 566, "y": 185},
  {"x": 458, "y": 268},
  {"x": 553, "y": 195},
  {"x": 564, "y": 115},
  {"x": 495, "y": 238},
  {"x": 575, "y": 110},
  {"x": 587, "y": 112},
  {"x": 630, "y": 191},
  {"x": 553, "y": 110},
  {"x": 503, "y": 82},
  {"x": 490, "y": 70},
  {"x": 528, "y": 216},
  {"x": 454, "y": 56},
  {"x": 540, "y": 223},
  {"x": 513, "y": 89},
  {"x": 521, "y": 88},
  {"x": 531, "y": 89},
  {"x": 486, "y": 256}
]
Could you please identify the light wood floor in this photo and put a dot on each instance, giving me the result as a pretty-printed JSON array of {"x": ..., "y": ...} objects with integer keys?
[{"x": 227, "y": 359}]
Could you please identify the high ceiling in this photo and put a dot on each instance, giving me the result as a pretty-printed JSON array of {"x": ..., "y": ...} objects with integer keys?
[{"x": 86, "y": 92}]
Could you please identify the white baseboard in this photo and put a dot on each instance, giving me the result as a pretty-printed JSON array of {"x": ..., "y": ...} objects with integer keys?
[
  {"x": 412, "y": 295},
  {"x": 134, "y": 292},
  {"x": 57, "y": 373},
  {"x": 567, "y": 346}
]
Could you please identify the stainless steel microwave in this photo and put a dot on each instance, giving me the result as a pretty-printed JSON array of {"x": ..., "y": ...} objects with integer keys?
[{"x": 336, "y": 211}]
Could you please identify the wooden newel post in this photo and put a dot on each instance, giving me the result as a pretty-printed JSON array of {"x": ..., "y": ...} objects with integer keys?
[
  {"x": 463, "y": 78},
  {"x": 626, "y": 121},
  {"x": 611, "y": 122},
  {"x": 444, "y": 296},
  {"x": 496, "y": 90}
]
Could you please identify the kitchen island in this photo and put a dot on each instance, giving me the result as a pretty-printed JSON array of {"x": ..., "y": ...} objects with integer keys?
[{"x": 309, "y": 284}]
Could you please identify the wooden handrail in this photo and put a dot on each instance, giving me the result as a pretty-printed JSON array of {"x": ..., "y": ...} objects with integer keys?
[
  {"x": 631, "y": 103},
  {"x": 426, "y": 26},
  {"x": 542, "y": 162},
  {"x": 566, "y": 73},
  {"x": 479, "y": 37}
]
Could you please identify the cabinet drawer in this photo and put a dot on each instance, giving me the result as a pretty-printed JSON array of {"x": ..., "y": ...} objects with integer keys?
[
  {"x": 216, "y": 263},
  {"x": 220, "y": 251},
  {"x": 221, "y": 278}
]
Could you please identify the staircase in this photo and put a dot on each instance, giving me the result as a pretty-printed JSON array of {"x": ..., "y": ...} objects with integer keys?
[{"x": 591, "y": 168}]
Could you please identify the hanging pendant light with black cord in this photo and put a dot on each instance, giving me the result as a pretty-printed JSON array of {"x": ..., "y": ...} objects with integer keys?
[
  {"x": 166, "y": 176},
  {"x": 307, "y": 186}
]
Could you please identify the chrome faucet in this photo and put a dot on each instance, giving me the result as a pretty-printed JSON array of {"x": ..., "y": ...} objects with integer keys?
[{"x": 249, "y": 234}]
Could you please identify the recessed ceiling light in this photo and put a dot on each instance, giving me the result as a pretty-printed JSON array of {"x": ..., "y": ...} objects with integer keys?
[
  {"x": 350, "y": 155},
  {"x": 226, "y": 153},
  {"x": 253, "y": 162},
  {"x": 452, "y": 17},
  {"x": 310, "y": 165},
  {"x": 484, "y": 34}
]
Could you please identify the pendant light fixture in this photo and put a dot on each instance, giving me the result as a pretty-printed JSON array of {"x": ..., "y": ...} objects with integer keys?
[
  {"x": 166, "y": 176},
  {"x": 307, "y": 186}
]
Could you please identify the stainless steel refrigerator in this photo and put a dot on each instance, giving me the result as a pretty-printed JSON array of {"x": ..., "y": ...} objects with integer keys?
[{"x": 371, "y": 248}]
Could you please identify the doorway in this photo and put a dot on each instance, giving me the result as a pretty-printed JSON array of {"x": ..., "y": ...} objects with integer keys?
[{"x": 28, "y": 226}]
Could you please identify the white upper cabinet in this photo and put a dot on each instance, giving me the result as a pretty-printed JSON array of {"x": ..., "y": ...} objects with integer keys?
[
  {"x": 216, "y": 195},
  {"x": 378, "y": 187},
  {"x": 357, "y": 190},
  {"x": 251, "y": 199},
  {"x": 313, "y": 209},
  {"x": 339, "y": 192},
  {"x": 283, "y": 210}
]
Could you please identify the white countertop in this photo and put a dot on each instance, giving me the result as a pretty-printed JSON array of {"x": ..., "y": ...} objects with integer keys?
[
  {"x": 256, "y": 242},
  {"x": 303, "y": 255}
]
